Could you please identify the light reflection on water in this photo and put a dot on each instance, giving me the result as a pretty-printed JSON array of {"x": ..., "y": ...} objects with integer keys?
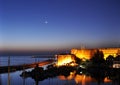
[
  {"x": 83, "y": 79},
  {"x": 15, "y": 79}
]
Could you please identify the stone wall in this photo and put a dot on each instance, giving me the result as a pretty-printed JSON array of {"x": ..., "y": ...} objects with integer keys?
[
  {"x": 88, "y": 53},
  {"x": 64, "y": 59}
]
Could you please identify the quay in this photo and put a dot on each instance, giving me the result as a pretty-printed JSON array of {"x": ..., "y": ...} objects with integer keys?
[{"x": 13, "y": 68}]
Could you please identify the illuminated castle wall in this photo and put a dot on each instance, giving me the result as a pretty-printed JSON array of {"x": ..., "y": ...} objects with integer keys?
[
  {"x": 64, "y": 59},
  {"x": 88, "y": 53},
  {"x": 84, "y": 54}
]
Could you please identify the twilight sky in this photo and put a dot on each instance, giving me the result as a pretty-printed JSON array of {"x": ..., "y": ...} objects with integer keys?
[{"x": 59, "y": 24}]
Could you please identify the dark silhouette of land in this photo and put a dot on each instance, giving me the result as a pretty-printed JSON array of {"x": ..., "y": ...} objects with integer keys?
[{"x": 29, "y": 53}]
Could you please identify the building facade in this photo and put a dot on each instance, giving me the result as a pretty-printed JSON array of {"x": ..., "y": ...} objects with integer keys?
[
  {"x": 88, "y": 53},
  {"x": 65, "y": 59}
]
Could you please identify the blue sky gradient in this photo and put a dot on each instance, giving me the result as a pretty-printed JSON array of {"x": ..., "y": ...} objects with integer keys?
[{"x": 70, "y": 23}]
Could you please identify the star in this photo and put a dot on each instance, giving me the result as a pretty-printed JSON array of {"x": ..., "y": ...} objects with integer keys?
[{"x": 46, "y": 22}]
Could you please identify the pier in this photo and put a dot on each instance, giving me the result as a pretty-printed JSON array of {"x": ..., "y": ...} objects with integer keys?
[{"x": 5, "y": 69}]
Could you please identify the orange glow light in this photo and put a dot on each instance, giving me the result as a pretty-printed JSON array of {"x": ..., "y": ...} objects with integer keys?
[{"x": 64, "y": 59}]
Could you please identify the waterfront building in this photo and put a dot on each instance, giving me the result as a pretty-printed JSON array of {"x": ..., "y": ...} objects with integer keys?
[
  {"x": 88, "y": 53},
  {"x": 64, "y": 59}
]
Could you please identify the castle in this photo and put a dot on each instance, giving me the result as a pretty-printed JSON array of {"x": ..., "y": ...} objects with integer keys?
[
  {"x": 88, "y": 53},
  {"x": 85, "y": 54}
]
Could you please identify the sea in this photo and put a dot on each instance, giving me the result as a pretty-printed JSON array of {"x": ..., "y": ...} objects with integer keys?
[{"x": 14, "y": 78}]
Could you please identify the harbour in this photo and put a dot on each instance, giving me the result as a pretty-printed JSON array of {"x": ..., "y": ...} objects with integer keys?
[{"x": 13, "y": 68}]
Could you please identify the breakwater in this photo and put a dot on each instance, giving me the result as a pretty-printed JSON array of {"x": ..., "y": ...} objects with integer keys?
[{"x": 12, "y": 68}]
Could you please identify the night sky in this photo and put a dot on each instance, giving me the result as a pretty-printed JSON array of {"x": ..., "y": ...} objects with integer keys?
[{"x": 59, "y": 24}]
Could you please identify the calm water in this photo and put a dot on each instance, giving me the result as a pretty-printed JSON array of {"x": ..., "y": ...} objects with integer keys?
[
  {"x": 15, "y": 79},
  {"x": 16, "y": 60}
]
